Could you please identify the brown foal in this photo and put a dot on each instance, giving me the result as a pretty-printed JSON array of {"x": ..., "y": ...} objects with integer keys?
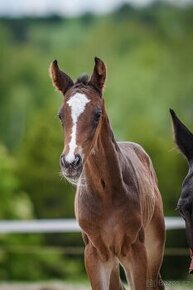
[{"x": 118, "y": 204}]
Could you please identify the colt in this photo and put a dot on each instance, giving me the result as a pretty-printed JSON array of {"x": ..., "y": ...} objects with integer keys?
[
  {"x": 118, "y": 204},
  {"x": 184, "y": 141}
]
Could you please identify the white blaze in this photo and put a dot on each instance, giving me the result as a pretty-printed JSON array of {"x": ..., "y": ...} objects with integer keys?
[{"x": 77, "y": 103}]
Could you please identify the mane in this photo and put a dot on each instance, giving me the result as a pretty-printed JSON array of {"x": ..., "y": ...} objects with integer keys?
[{"x": 83, "y": 79}]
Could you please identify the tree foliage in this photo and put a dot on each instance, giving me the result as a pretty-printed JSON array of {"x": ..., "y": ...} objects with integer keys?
[{"x": 149, "y": 58}]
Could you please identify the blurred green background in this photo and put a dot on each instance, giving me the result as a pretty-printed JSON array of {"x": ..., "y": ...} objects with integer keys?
[{"x": 149, "y": 56}]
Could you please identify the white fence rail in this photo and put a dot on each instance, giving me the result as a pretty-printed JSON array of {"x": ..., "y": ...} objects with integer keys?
[{"x": 63, "y": 225}]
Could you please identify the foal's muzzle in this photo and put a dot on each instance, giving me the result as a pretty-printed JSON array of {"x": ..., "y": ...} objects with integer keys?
[{"x": 71, "y": 169}]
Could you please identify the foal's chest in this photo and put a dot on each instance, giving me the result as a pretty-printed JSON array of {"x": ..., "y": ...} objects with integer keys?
[{"x": 109, "y": 223}]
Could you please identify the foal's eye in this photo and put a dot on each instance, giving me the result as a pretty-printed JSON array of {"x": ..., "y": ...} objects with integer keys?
[{"x": 97, "y": 116}]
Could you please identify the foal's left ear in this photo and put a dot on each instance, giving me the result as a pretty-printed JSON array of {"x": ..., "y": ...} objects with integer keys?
[
  {"x": 98, "y": 76},
  {"x": 183, "y": 137},
  {"x": 60, "y": 80}
]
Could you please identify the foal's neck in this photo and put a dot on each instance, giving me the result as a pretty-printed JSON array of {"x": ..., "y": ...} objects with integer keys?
[{"x": 102, "y": 169}]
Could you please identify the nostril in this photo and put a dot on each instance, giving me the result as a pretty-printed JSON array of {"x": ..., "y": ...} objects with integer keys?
[
  {"x": 77, "y": 160},
  {"x": 63, "y": 161}
]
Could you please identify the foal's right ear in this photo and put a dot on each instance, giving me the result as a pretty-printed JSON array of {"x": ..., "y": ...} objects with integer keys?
[
  {"x": 60, "y": 80},
  {"x": 183, "y": 137}
]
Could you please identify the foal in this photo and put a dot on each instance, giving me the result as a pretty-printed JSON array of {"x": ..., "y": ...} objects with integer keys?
[
  {"x": 118, "y": 204},
  {"x": 184, "y": 140}
]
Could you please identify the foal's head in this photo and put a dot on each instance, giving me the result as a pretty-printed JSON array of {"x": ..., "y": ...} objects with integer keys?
[
  {"x": 184, "y": 141},
  {"x": 80, "y": 115}
]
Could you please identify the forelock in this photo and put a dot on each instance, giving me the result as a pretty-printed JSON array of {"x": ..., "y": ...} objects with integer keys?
[{"x": 83, "y": 79}]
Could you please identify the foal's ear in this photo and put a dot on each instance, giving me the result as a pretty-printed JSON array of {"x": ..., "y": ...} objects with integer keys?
[
  {"x": 183, "y": 137},
  {"x": 98, "y": 76},
  {"x": 60, "y": 80}
]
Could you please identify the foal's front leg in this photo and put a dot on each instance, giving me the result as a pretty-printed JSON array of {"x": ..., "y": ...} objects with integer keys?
[
  {"x": 98, "y": 270},
  {"x": 136, "y": 266},
  {"x": 115, "y": 280}
]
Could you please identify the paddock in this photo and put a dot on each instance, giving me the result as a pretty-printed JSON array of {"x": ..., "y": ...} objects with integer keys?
[
  {"x": 69, "y": 286},
  {"x": 69, "y": 226}
]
